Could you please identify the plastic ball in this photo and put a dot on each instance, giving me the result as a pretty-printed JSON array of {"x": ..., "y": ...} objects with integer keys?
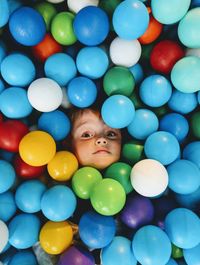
[
  {"x": 162, "y": 146},
  {"x": 24, "y": 230},
  {"x": 118, "y": 252},
  {"x": 190, "y": 201},
  {"x": 48, "y": 11},
  {"x": 194, "y": 123},
  {"x": 83, "y": 180},
  {"x": 125, "y": 111},
  {"x": 55, "y": 123},
  {"x": 192, "y": 152},
  {"x": 28, "y": 196},
  {"x": 102, "y": 195},
  {"x": 95, "y": 230},
  {"x": 4, "y": 235},
  {"x": 37, "y": 148},
  {"x": 130, "y": 19},
  {"x": 41, "y": 89},
  {"x": 125, "y": 52},
  {"x": 58, "y": 203},
  {"x": 27, "y": 26},
  {"x": 149, "y": 178},
  {"x": 81, "y": 92},
  {"x": 8, "y": 176},
  {"x": 62, "y": 166},
  {"x": 22, "y": 257},
  {"x": 92, "y": 62},
  {"x": 198, "y": 97},
  {"x": 76, "y": 6},
  {"x": 3, "y": 51},
  {"x": 192, "y": 255},
  {"x": 146, "y": 242},
  {"x": 4, "y": 12},
  {"x": 155, "y": 90},
  {"x": 51, "y": 237},
  {"x": 14, "y": 103},
  {"x": 7, "y": 206},
  {"x": 162, "y": 11},
  {"x": 62, "y": 28},
  {"x": 91, "y": 25},
  {"x": 132, "y": 151},
  {"x": 184, "y": 74},
  {"x": 118, "y": 80},
  {"x": 137, "y": 72},
  {"x": 183, "y": 227},
  {"x": 172, "y": 262}
]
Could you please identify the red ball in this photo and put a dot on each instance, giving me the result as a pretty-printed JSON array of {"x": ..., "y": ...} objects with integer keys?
[
  {"x": 11, "y": 133},
  {"x": 164, "y": 55}
]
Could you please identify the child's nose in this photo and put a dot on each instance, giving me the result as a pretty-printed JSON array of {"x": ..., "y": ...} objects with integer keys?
[{"x": 101, "y": 141}]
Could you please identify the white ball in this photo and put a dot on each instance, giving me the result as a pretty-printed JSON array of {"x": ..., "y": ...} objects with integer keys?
[
  {"x": 149, "y": 178},
  {"x": 193, "y": 52},
  {"x": 77, "y": 5},
  {"x": 44, "y": 94},
  {"x": 4, "y": 234},
  {"x": 55, "y": 1},
  {"x": 125, "y": 52}
]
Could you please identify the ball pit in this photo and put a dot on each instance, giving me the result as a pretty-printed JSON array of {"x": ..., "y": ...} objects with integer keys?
[{"x": 136, "y": 66}]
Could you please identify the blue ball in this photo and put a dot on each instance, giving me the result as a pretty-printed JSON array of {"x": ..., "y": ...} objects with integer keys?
[
  {"x": 14, "y": 4},
  {"x": 192, "y": 152},
  {"x": 183, "y": 228},
  {"x": 58, "y": 203},
  {"x": 162, "y": 146},
  {"x": 183, "y": 103},
  {"x": 14, "y": 103},
  {"x": 95, "y": 230},
  {"x": 155, "y": 90},
  {"x": 23, "y": 257},
  {"x": 130, "y": 19},
  {"x": 137, "y": 72},
  {"x": 2, "y": 86},
  {"x": 60, "y": 67},
  {"x": 4, "y": 12},
  {"x": 27, "y": 26},
  {"x": 118, "y": 111},
  {"x": 55, "y": 123},
  {"x": 28, "y": 196},
  {"x": 7, "y": 176},
  {"x": 198, "y": 97},
  {"x": 175, "y": 124},
  {"x": 184, "y": 176},
  {"x": 17, "y": 70},
  {"x": 144, "y": 123},
  {"x": 7, "y": 206},
  {"x": 92, "y": 62},
  {"x": 195, "y": 3},
  {"x": 151, "y": 245},
  {"x": 192, "y": 255},
  {"x": 24, "y": 230},
  {"x": 91, "y": 25},
  {"x": 2, "y": 51},
  {"x": 190, "y": 201},
  {"x": 172, "y": 262},
  {"x": 81, "y": 92},
  {"x": 118, "y": 252}
]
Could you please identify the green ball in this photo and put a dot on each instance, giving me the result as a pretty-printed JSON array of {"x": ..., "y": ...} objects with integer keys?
[
  {"x": 135, "y": 98},
  {"x": 109, "y": 6},
  {"x": 83, "y": 181},
  {"x": 108, "y": 197},
  {"x": 121, "y": 172},
  {"x": 195, "y": 124},
  {"x": 62, "y": 28},
  {"x": 48, "y": 11},
  {"x": 118, "y": 80},
  {"x": 161, "y": 111},
  {"x": 176, "y": 252},
  {"x": 132, "y": 151}
]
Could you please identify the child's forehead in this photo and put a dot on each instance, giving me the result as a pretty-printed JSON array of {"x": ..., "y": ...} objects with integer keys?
[{"x": 87, "y": 116}]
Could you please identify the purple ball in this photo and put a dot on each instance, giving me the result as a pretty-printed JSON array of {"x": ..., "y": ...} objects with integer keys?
[
  {"x": 138, "y": 211},
  {"x": 76, "y": 256}
]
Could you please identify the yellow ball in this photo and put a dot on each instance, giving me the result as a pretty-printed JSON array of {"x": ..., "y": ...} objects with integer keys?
[
  {"x": 55, "y": 237},
  {"x": 62, "y": 166},
  {"x": 37, "y": 148}
]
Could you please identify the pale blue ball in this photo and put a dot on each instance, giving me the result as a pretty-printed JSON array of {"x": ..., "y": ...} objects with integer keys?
[{"x": 7, "y": 176}]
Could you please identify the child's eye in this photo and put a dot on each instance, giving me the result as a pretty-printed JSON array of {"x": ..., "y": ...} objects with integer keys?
[
  {"x": 111, "y": 134},
  {"x": 87, "y": 135}
]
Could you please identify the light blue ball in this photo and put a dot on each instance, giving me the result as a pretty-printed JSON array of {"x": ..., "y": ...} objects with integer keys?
[
  {"x": 7, "y": 206},
  {"x": 23, "y": 257},
  {"x": 188, "y": 29},
  {"x": 130, "y": 19},
  {"x": 14, "y": 4},
  {"x": 2, "y": 51},
  {"x": 169, "y": 12},
  {"x": 4, "y": 12},
  {"x": 18, "y": 70},
  {"x": 192, "y": 152},
  {"x": 151, "y": 245},
  {"x": 183, "y": 103},
  {"x": 92, "y": 62},
  {"x": 185, "y": 74},
  {"x": 118, "y": 252},
  {"x": 55, "y": 123},
  {"x": 137, "y": 72},
  {"x": 184, "y": 176},
  {"x": 190, "y": 201},
  {"x": 2, "y": 86},
  {"x": 14, "y": 103},
  {"x": 155, "y": 90},
  {"x": 144, "y": 123},
  {"x": 24, "y": 230},
  {"x": 28, "y": 196},
  {"x": 81, "y": 92},
  {"x": 162, "y": 146},
  {"x": 118, "y": 111},
  {"x": 183, "y": 228},
  {"x": 192, "y": 255},
  {"x": 60, "y": 67},
  {"x": 7, "y": 176},
  {"x": 58, "y": 203}
]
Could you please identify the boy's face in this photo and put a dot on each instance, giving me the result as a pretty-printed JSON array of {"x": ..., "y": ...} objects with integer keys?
[{"x": 94, "y": 143}]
